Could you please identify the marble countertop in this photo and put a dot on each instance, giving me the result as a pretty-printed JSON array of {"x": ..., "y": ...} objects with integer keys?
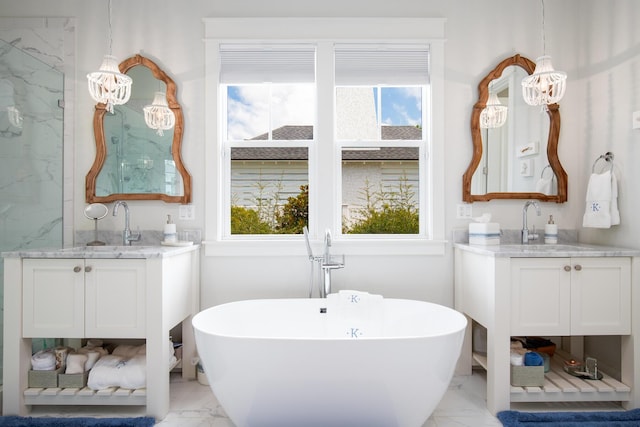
[
  {"x": 560, "y": 250},
  {"x": 105, "y": 252}
]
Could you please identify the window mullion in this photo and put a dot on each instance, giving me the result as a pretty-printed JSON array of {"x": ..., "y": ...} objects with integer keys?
[{"x": 325, "y": 180}]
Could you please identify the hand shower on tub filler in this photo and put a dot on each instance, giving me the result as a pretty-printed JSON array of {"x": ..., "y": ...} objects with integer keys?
[{"x": 327, "y": 262}]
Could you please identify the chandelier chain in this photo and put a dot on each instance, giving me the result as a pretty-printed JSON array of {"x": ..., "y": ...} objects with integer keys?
[
  {"x": 544, "y": 40},
  {"x": 110, "y": 35}
]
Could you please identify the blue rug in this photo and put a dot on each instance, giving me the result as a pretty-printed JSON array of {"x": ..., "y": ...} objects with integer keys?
[
  {"x": 14, "y": 421},
  {"x": 570, "y": 419}
]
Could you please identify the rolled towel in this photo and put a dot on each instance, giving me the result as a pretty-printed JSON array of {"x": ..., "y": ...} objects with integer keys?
[
  {"x": 92, "y": 358},
  {"x": 94, "y": 343},
  {"x": 129, "y": 351},
  {"x": 44, "y": 360},
  {"x": 517, "y": 359},
  {"x": 101, "y": 350},
  {"x": 76, "y": 363},
  {"x": 531, "y": 358}
]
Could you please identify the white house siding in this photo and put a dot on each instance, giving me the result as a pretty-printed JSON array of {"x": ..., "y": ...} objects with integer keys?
[
  {"x": 388, "y": 174},
  {"x": 286, "y": 176},
  {"x": 281, "y": 178}
]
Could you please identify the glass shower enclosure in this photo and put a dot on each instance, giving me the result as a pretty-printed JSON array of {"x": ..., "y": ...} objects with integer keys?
[{"x": 31, "y": 157}]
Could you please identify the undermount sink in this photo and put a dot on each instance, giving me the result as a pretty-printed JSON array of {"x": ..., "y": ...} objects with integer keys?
[
  {"x": 115, "y": 248},
  {"x": 543, "y": 247}
]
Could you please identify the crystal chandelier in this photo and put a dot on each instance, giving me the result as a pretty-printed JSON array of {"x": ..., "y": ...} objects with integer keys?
[
  {"x": 545, "y": 86},
  {"x": 158, "y": 115},
  {"x": 494, "y": 114},
  {"x": 108, "y": 85}
]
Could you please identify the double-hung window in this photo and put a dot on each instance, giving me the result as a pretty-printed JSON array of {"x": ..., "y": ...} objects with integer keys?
[
  {"x": 381, "y": 94},
  {"x": 330, "y": 125},
  {"x": 268, "y": 109}
]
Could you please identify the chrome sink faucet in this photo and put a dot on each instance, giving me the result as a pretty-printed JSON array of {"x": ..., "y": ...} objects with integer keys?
[
  {"x": 127, "y": 235},
  {"x": 526, "y": 236}
]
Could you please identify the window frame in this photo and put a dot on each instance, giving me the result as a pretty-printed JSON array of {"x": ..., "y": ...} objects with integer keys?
[{"x": 324, "y": 32}]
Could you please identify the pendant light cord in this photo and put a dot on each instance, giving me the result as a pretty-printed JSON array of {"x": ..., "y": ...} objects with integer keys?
[
  {"x": 544, "y": 41},
  {"x": 110, "y": 37}
]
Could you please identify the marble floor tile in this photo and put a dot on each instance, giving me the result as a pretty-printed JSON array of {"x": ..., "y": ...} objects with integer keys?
[
  {"x": 194, "y": 405},
  {"x": 463, "y": 405}
]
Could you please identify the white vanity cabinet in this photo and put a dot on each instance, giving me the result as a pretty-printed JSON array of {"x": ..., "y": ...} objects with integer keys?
[
  {"x": 106, "y": 293},
  {"x": 571, "y": 296},
  {"x": 76, "y": 298},
  {"x": 582, "y": 290}
]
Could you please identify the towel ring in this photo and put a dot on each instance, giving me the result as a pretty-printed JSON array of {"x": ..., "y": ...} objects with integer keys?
[
  {"x": 553, "y": 175},
  {"x": 607, "y": 157}
]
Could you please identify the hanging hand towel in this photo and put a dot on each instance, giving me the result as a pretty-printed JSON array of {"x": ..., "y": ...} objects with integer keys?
[
  {"x": 545, "y": 185},
  {"x": 598, "y": 209},
  {"x": 615, "y": 213}
]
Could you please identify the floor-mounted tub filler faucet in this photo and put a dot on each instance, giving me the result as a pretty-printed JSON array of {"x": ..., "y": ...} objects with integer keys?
[
  {"x": 127, "y": 235},
  {"x": 526, "y": 236},
  {"x": 327, "y": 263}
]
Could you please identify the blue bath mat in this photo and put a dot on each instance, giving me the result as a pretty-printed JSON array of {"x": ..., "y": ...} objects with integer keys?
[
  {"x": 14, "y": 421},
  {"x": 570, "y": 419}
]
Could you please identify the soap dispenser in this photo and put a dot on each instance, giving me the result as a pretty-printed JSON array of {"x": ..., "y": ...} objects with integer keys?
[
  {"x": 551, "y": 231},
  {"x": 170, "y": 231}
]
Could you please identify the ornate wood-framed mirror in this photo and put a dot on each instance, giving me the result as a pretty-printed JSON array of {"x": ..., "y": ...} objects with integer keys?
[
  {"x": 134, "y": 162},
  {"x": 517, "y": 160}
]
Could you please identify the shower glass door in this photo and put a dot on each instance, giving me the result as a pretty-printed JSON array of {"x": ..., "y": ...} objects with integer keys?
[{"x": 31, "y": 156}]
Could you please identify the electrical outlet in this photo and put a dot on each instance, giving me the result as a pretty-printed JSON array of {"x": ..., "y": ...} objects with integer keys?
[
  {"x": 635, "y": 120},
  {"x": 187, "y": 212},
  {"x": 463, "y": 211}
]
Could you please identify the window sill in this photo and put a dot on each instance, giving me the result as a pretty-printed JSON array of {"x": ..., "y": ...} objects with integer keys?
[{"x": 297, "y": 247}]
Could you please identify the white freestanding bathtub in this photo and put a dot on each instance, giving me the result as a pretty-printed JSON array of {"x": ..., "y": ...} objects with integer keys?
[{"x": 317, "y": 362}]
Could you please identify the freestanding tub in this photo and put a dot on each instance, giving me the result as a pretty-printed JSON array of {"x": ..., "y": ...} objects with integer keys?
[{"x": 313, "y": 362}]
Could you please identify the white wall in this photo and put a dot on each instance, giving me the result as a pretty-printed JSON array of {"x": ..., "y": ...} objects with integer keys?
[{"x": 596, "y": 42}]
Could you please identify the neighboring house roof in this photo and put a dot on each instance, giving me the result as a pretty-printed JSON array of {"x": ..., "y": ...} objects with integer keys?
[
  {"x": 288, "y": 132},
  {"x": 306, "y": 132}
]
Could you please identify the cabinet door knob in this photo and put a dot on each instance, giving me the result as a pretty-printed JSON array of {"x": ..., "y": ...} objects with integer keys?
[
  {"x": 87, "y": 269},
  {"x": 77, "y": 269},
  {"x": 578, "y": 267},
  {"x": 567, "y": 268}
]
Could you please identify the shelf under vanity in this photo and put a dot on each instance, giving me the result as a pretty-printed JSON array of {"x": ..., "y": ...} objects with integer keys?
[
  {"x": 559, "y": 386},
  {"x": 574, "y": 291},
  {"x": 117, "y": 293}
]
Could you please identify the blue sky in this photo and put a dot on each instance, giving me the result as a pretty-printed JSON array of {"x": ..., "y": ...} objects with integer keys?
[{"x": 248, "y": 107}]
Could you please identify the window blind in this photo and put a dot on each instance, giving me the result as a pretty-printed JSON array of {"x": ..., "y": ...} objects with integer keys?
[
  {"x": 381, "y": 64},
  {"x": 261, "y": 63}
]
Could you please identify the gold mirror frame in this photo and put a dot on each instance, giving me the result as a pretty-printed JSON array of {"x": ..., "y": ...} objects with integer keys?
[
  {"x": 176, "y": 145},
  {"x": 476, "y": 135}
]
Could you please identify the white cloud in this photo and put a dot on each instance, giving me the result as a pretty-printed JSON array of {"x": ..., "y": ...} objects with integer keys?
[{"x": 248, "y": 110}]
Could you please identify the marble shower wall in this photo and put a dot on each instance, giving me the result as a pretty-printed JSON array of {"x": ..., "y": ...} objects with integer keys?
[{"x": 34, "y": 58}]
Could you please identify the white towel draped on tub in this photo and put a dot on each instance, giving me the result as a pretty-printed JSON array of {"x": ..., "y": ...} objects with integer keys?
[
  {"x": 354, "y": 314},
  {"x": 602, "y": 201}
]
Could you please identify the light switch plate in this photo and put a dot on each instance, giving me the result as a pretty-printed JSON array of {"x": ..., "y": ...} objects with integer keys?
[
  {"x": 187, "y": 212},
  {"x": 463, "y": 211}
]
